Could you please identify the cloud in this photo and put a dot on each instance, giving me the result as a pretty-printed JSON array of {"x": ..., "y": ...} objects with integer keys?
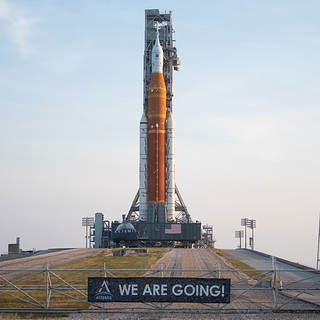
[{"x": 19, "y": 25}]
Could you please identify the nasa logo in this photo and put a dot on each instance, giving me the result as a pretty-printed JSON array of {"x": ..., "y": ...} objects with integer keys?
[{"x": 103, "y": 293}]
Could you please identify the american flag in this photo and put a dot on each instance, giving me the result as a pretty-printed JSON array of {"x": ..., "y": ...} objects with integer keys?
[{"x": 172, "y": 228}]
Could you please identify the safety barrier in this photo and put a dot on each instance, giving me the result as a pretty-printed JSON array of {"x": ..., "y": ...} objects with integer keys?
[{"x": 252, "y": 291}]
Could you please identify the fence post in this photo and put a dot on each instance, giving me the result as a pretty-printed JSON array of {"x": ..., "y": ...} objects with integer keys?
[
  {"x": 162, "y": 266},
  {"x": 275, "y": 283},
  {"x": 46, "y": 279}
]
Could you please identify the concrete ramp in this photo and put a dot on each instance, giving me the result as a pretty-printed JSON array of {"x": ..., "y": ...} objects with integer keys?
[{"x": 51, "y": 259}]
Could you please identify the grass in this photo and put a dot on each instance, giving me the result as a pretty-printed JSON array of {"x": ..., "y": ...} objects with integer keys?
[
  {"x": 238, "y": 264},
  {"x": 220, "y": 252},
  {"x": 132, "y": 261},
  {"x": 34, "y": 284}
]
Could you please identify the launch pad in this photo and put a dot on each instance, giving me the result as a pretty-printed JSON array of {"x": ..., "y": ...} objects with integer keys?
[
  {"x": 157, "y": 234},
  {"x": 158, "y": 215},
  {"x": 106, "y": 234}
]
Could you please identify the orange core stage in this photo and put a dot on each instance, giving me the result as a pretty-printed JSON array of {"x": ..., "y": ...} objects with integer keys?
[{"x": 157, "y": 139}]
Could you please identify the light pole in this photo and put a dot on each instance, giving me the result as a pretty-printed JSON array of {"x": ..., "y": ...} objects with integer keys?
[
  {"x": 87, "y": 222},
  {"x": 239, "y": 234},
  {"x": 244, "y": 222},
  {"x": 251, "y": 223}
]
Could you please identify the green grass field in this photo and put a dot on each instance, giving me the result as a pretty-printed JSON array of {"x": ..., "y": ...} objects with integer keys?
[
  {"x": 238, "y": 264},
  {"x": 63, "y": 283},
  {"x": 220, "y": 252}
]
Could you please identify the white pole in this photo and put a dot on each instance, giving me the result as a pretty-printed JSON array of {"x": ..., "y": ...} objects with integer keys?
[
  {"x": 318, "y": 245},
  {"x": 87, "y": 235}
]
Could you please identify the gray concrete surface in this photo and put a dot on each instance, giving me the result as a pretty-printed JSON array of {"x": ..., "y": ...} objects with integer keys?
[
  {"x": 287, "y": 272},
  {"x": 297, "y": 280}
]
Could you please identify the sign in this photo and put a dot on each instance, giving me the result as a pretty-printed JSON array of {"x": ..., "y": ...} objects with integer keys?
[{"x": 195, "y": 290}]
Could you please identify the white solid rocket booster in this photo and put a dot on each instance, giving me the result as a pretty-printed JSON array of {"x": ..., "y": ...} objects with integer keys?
[
  {"x": 170, "y": 169},
  {"x": 143, "y": 170}
]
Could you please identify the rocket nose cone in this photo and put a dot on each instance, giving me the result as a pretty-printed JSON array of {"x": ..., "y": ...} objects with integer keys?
[{"x": 157, "y": 46}]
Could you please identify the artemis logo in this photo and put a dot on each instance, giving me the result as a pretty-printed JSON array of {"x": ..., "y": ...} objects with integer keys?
[{"x": 103, "y": 292}]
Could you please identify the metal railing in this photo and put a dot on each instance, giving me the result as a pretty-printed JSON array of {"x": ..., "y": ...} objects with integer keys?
[{"x": 252, "y": 291}]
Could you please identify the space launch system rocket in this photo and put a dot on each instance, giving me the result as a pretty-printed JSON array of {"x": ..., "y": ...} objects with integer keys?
[
  {"x": 158, "y": 215},
  {"x": 157, "y": 172}
]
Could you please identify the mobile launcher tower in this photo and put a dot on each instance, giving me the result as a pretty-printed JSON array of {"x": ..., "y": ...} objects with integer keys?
[{"x": 158, "y": 215}]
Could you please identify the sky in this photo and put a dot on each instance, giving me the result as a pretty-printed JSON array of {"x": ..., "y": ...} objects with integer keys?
[{"x": 246, "y": 109}]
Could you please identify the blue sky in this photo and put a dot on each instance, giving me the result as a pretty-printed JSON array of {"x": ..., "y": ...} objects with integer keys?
[{"x": 246, "y": 108}]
